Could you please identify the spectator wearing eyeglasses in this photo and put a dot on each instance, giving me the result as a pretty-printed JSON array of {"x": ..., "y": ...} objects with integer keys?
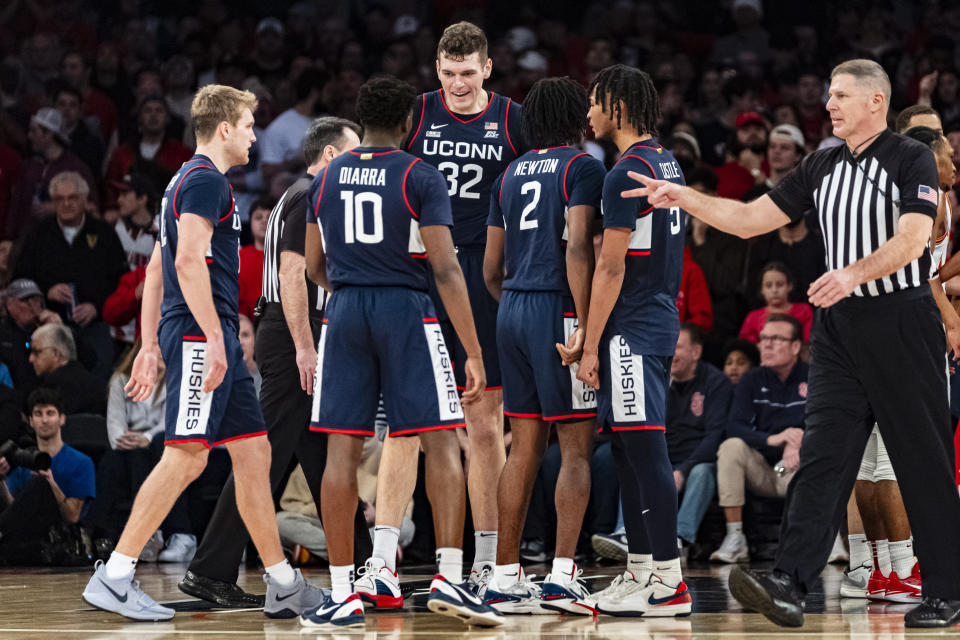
[
  {"x": 53, "y": 354},
  {"x": 763, "y": 431}
]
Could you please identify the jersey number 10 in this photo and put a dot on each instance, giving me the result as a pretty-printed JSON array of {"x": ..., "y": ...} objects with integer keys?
[{"x": 354, "y": 222}]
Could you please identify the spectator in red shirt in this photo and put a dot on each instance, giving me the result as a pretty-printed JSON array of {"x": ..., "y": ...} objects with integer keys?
[
  {"x": 746, "y": 164},
  {"x": 251, "y": 258},
  {"x": 776, "y": 283},
  {"x": 123, "y": 305},
  {"x": 693, "y": 303},
  {"x": 151, "y": 153}
]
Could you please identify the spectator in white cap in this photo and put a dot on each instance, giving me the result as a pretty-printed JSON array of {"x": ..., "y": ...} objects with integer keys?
[
  {"x": 785, "y": 149},
  {"x": 268, "y": 60},
  {"x": 532, "y": 66},
  {"x": 49, "y": 143}
]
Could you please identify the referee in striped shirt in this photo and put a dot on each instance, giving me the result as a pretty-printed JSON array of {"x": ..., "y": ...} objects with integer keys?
[
  {"x": 877, "y": 350},
  {"x": 285, "y": 350}
]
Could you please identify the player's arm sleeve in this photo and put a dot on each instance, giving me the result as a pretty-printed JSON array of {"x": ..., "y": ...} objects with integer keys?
[
  {"x": 918, "y": 179},
  {"x": 431, "y": 201},
  {"x": 203, "y": 193},
  {"x": 741, "y": 418},
  {"x": 793, "y": 195},
  {"x": 584, "y": 182},
  {"x": 620, "y": 212},
  {"x": 495, "y": 218},
  {"x": 292, "y": 228}
]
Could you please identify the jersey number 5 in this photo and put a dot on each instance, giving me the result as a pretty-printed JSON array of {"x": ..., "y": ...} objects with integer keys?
[
  {"x": 354, "y": 225},
  {"x": 674, "y": 220}
]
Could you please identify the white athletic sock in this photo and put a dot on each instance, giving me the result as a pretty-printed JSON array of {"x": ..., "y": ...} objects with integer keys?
[
  {"x": 505, "y": 575},
  {"x": 901, "y": 557},
  {"x": 562, "y": 570},
  {"x": 883, "y": 557},
  {"x": 120, "y": 566},
  {"x": 385, "y": 542},
  {"x": 734, "y": 527},
  {"x": 860, "y": 551},
  {"x": 668, "y": 571},
  {"x": 282, "y": 573},
  {"x": 485, "y": 543},
  {"x": 341, "y": 582},
  {"x": 450, "y": 564},
  {"x": 640, "y": 565}
]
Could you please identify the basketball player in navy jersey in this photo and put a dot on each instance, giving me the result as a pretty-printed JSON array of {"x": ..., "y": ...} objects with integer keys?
[
  {"x": 470, "y": 135},
  {"x": 377, "y": 215},
  {"x": 539, "y": 264},
  {"x": 210, "y": 394},
  {"x": 631, "y": 335}
]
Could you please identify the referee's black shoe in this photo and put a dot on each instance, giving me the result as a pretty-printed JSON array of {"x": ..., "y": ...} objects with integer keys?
[
  {"x": 219, "y": 592},
  {"x": 933, "y": 612},
  {"x": 772, "y": 594}
]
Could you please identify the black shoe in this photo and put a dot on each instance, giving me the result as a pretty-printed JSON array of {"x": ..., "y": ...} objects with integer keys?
[
  {"x": 224, "y": 594},
  {"x": 933, "y": 612},
  {"x": 774, "y": 595}
]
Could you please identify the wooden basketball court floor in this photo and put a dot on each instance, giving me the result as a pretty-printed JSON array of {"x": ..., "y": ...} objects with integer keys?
[{"x": 46, "y": 603}]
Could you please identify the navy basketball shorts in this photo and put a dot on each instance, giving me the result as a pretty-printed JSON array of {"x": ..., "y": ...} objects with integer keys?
[
  {"x": 535, "y": 382},
  {"x": 229, "y": 412},
  {"x": 484, "y": 309},
  {"x": 383, "y": 339},
  {"x": 633, "y": 387}
]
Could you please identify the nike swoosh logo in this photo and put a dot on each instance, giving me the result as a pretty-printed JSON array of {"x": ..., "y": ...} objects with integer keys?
[
  {"x": 485, "y": 535},
  {"x": 115, "y": 594},
  {"x": 510, "y": 574},
  {"x": 644, "y": 511},
  {"x": 438, "y": 126},
  {"x": 280, "y": 598},
  {"x": 656, "y": 601}
]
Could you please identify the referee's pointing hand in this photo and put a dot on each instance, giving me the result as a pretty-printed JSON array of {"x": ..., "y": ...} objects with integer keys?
[
  {"x": 659, "y": 193},
  {"x": 831, "y": 288}
]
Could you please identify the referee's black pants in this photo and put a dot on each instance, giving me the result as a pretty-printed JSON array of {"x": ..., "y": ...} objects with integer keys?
[
  {"x": 286, "y": 410},
  {"x": 876, "y": 359}
]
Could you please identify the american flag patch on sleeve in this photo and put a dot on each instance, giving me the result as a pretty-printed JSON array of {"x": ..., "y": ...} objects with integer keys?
[{"x": 928, "y": 193}]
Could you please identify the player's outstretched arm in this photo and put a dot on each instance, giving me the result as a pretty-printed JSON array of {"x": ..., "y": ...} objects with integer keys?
[
  {"x": 194, "y": 278},
  {"x": 740, "y": 219},
  {"x": 143, "y": 376},
  {"x": 493, "y": 262},
  {"x": 579, "y": 276},
  {"x": 315, "y": 258},
  {"x": 453, "y": 291}
]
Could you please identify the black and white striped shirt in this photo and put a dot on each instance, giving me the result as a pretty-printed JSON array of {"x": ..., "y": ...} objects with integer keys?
[
  {"x": 287, "y": 231},
  {"x": 859, "y": 201}
]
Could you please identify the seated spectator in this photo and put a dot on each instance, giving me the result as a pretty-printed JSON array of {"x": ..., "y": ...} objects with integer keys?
[
  {"x": 76, "y": 71},
  {"x": 23, "y": 302},
  {"x": 785, "y": 150},
  {"x": 796, "y": 245},
  {"x": 746, "y": 164},
  {"x": 151, "y": 153},
  {"x": 53, "y": 355},
  {"x": 50, "y": 158},
  {"x": 280, "y": 143},
  {"x": 776, "y": 285},
  {"x": 697, "y": 408},
  {"x": 132, "y": 425},
  {"x": 85, "y": 142},
  {"x": 764, "y": 430},
  {"x": 77, "y": 260},
  {"x": 123, "y": 305},
  {"x": 34, "y": 502},
  {"x": 137, "y": 205},
  {"x": 693, "y": 301},
  {"x": 247, "y": 337},
  {"x": 739, "y": 357},
  {"x": 251, "y": 258}
]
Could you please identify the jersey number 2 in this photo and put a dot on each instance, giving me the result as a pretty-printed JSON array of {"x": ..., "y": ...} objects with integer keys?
[
  {"x": 526, "y": 222},
  {"x": 354, "y": 224}
]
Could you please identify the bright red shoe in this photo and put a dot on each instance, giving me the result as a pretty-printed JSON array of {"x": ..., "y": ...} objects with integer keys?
[
  {"x": 907, "y": 590},
  {"x": 877, "y": 585}
]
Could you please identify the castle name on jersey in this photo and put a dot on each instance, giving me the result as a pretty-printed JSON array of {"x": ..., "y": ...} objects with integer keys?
[
  {"x": 462, "y": 150},
  {"x": 670, "y": 169},
  {"x": 370, "y": 177},
  {"x": 530, "y": 167}
]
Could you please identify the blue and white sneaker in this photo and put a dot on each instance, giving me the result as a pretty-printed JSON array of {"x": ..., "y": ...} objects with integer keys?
[
  {"x": 377, "y": 585},
  {"x": 478, "y": 580},
  {"x": 456, "y": 601},
  {"x": 329, "y": 612},
  {"x": 567, "y": 594},
  {"x": 519, "y": 597},
  {"x": 289, "y": 602},
  {"x": 612, "y": 546},
  {"x": 123, "y": 596}
]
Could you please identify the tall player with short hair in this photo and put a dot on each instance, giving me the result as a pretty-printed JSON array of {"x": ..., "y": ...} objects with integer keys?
[
  {"x": 380, "y": 214},
  {"x": 470, "y": 135},
  {"x": 630, "y": 339},
  {"x": 210, "y": 394},
  {"x": 539, "y": 264}
]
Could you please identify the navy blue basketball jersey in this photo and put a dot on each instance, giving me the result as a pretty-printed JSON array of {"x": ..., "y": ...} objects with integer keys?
[
  {"x": 646, "y": 311},
  {"x": 530, "y": 202},
  {"x": 470, "y": 152},
  {"x": 370, "y": 204},
  {"x": 199, "y": 188}
]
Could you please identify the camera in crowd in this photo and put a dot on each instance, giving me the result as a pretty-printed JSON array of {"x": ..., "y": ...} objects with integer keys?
[{"x": 27, "y": 457}]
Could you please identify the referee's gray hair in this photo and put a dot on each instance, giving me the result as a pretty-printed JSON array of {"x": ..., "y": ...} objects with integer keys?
[
  {"x": 58, "y": 337},
  {"x": 323, "y": 131},
  {"x": 864, "y": 70}
]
